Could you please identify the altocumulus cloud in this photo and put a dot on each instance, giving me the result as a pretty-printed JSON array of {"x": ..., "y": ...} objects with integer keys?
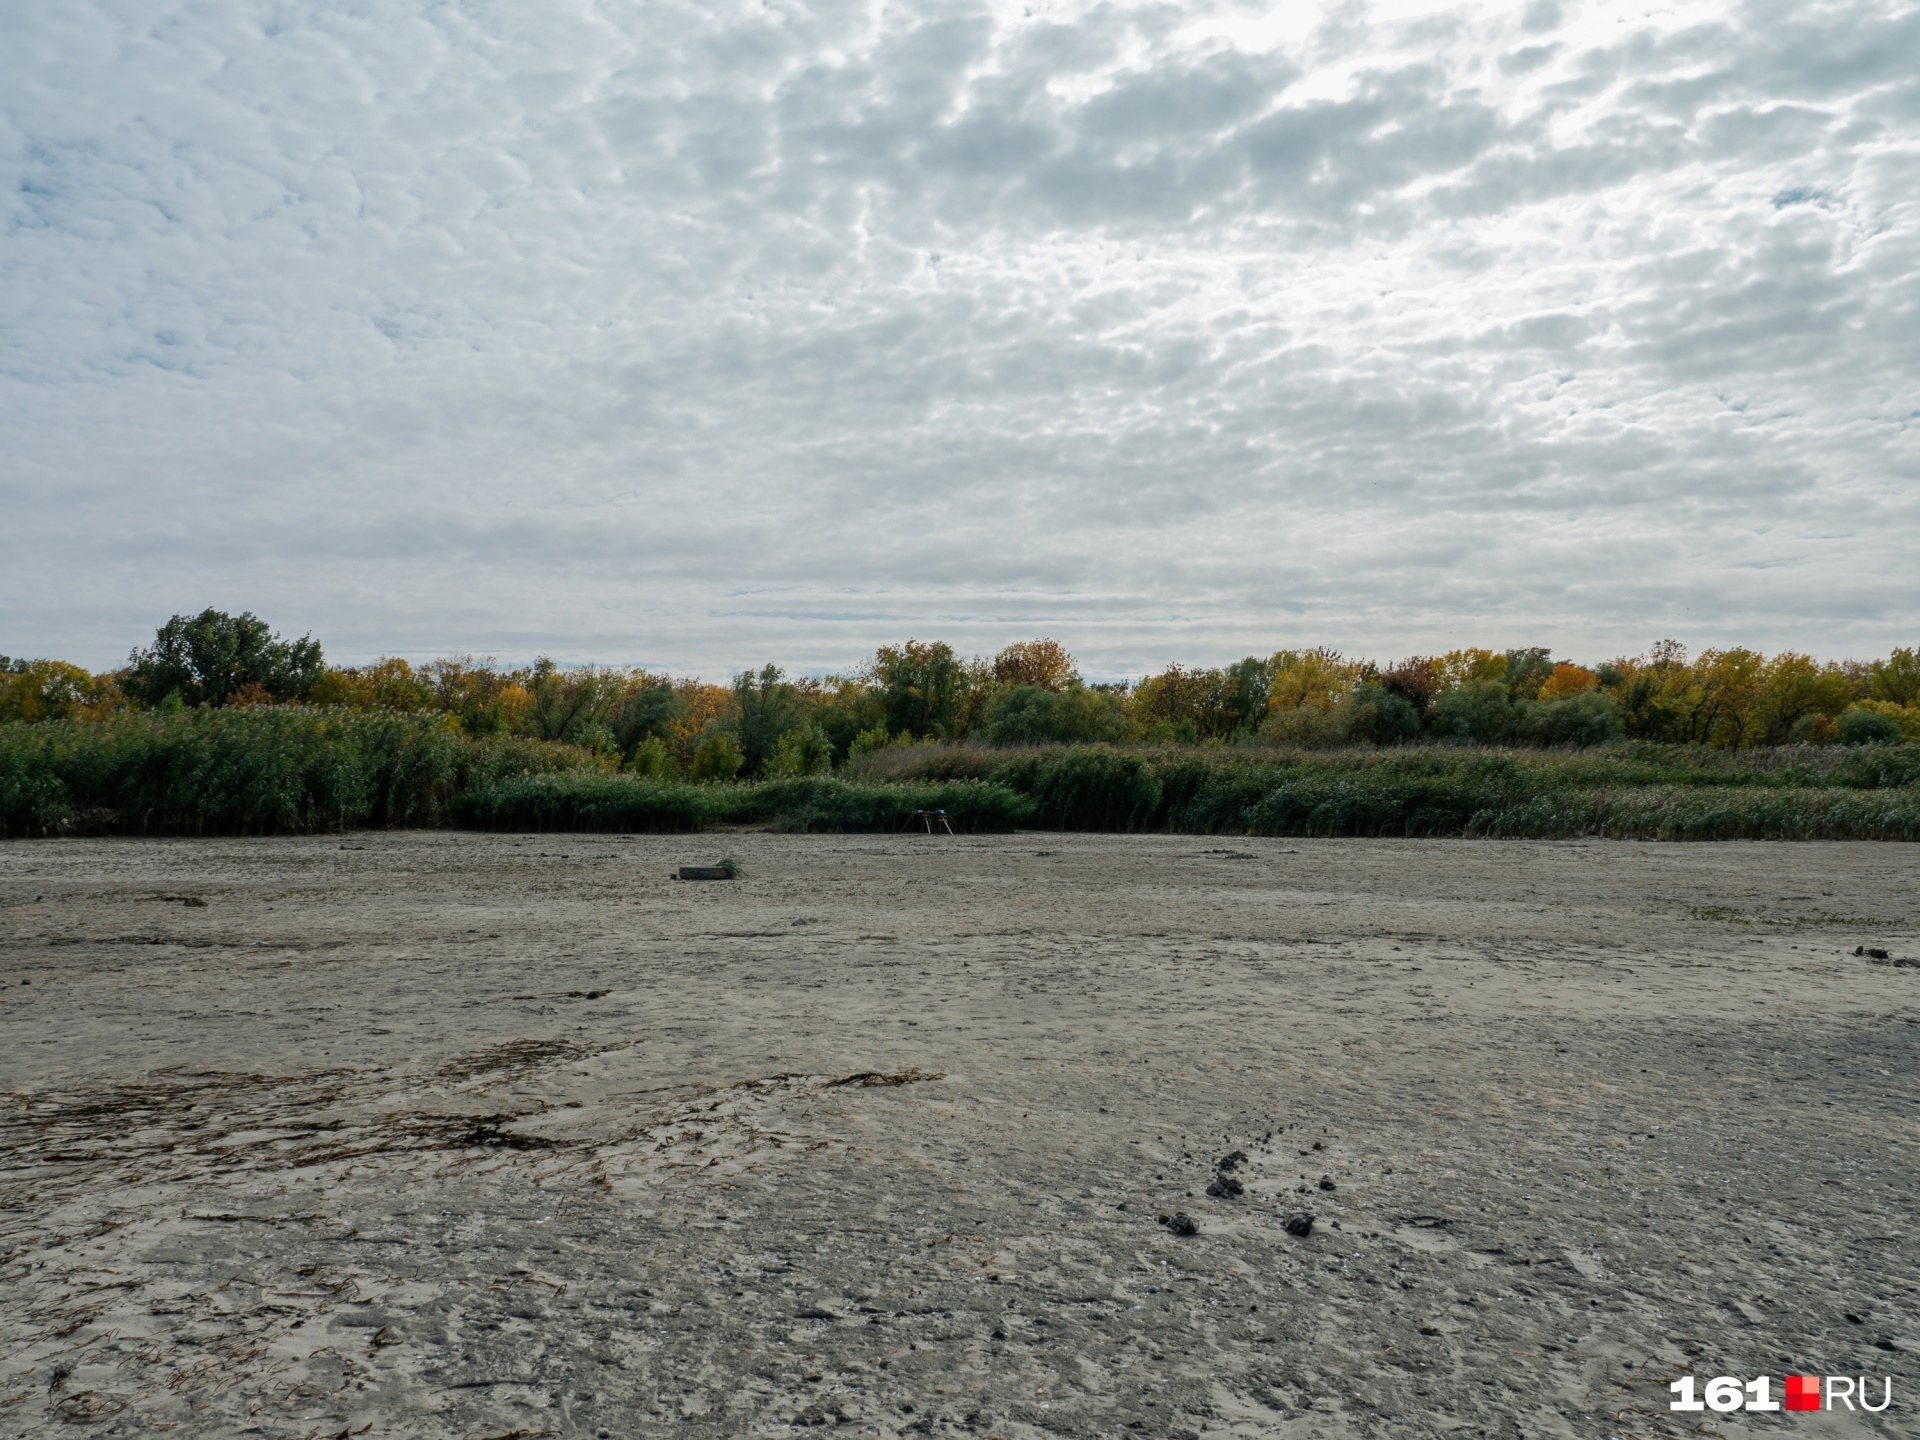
[{"x": 698, "y": 334}]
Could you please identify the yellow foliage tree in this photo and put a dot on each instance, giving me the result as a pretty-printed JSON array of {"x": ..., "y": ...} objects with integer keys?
[
  {"x": 35, "y": 690},
  {"x": 1318, "y": 677},
  {"x": 389, "y": 683},
  {"x": 1467, "y": 667},
  {"x": 1045, "y": 663},
  {"x": 1568, "y": 679}
]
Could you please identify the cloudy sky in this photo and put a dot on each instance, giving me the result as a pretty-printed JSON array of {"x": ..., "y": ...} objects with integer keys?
[{"x": 699, "y": 334}]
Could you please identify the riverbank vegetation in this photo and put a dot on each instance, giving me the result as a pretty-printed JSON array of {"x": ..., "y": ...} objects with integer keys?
[{"x": 222, "y": 726}]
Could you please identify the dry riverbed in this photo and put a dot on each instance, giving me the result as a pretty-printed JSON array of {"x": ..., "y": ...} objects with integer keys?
[{"x": 452, "y": 1135}]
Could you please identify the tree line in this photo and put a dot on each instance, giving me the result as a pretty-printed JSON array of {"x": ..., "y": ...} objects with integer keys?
[{"x": 769, "y": 724}]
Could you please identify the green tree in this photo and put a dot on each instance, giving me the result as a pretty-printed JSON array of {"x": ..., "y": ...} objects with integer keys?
[
  {"x": 651, "y": 757},
  {"x": 922, "y": 686},
  {"x": 1796, "y": 690},
  {"x": 765, "y": 707},
  {"x": 1897, "y": 678},
  {"x": 868, "y": 741},
  {"x": 1477, "y": 710},
  {"x": 1382, "y": 717},
  {"x": 716, "y": 758},
  {"x": 1589, "y": 718},
  {"x": 214, "y": 658},
  {"x": 569, "y": 705},
  {"x": 1034, "y": 715},
  {"x": 645, "y": 714},
  {"x": 1526, "y": 671},
  {"x": 804, "y": 750},
  {"x": 1244, "y": 693}
]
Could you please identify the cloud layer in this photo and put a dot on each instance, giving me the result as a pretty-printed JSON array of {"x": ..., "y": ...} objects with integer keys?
[{"x": 698, "y": 334}]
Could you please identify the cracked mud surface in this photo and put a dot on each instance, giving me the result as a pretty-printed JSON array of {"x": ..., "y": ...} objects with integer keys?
[{"x": 486, "y": 1136}]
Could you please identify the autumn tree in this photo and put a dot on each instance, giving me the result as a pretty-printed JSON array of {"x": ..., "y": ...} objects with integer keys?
[
  {"x": 1318, "y": 677},
  {"x": 485, "y": 699},
  {"x": 1417, "y": 680},
  {"x": 1182, "y": 704},
  {"x": 389, "y": 683},
  {"x": 1566, "y": 679},
  {"x": 35, "y": 690},
  {"x": 1044, "y": 663},
  {"x": 1896, "y": 679},
  {"x": 1525, "y": 671}
]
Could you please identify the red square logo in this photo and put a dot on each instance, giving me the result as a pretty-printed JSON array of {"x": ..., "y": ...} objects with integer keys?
[{"x": 1803, "y": 1392}]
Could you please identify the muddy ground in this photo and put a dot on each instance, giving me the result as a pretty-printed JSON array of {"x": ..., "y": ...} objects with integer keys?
[{"x": 481, "y": 1136}]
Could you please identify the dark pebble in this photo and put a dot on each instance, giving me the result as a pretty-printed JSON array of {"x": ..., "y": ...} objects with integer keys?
[
  {"x": 1181, "y": 1223},
  {"x": 1300, "y": 1225},
  {"x": 1326, "y": 1182}
]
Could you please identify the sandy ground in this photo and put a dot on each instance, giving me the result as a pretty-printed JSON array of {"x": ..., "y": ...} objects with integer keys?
[{"x": 459, "y": 1135}]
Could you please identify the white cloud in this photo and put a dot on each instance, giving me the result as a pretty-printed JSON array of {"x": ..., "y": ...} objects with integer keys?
[{"x": 702, "y": 334}]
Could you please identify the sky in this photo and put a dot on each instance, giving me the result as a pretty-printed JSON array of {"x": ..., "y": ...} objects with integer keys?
[{"x": 700, "y": 335}]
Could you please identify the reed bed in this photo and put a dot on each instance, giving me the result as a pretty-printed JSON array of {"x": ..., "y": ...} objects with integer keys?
[{"x": 293, "y": 769}]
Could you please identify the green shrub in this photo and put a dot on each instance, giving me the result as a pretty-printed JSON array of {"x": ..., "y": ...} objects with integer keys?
[
  {"x": 1093, "y": 789},
  {"x": 1371, "y": 804},
  {"x": 717, "y": 757},
  {"x": 1478, "y": 710},
  {"x": 1859, "y": 725},
  {"x": 304, "y": 768},
  {"x": 926, "y": 761},
  {"x": 1380, "y": 717},
  {"x": 228, "y": 771},
  {"x": 804, "y": 750},
  {"x": 1591, "y": 718},
  {"x": 652, "y": 760},
  {"x": 259, "y": 770},
  {"x": 1312, "y": 726},
  {"x": 865, "y": 742},
  {"x": 1035, "y": 715}
]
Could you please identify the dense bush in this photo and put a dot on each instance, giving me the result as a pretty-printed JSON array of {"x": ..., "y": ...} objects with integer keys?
[
  {"x": 1653, "y": 791},
  {"x": 247, "y": 771},
  {"x": 292, "y": 768},
  {"x": 1382, "y": 717},
  {"x": 1478, "y": 710},
  {"x": 1035, "y": 715},
  {"x": 1589, "y": 718},
  {"x": 1093, "y": 789},
  {"x": 1859, "y": 725}
]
